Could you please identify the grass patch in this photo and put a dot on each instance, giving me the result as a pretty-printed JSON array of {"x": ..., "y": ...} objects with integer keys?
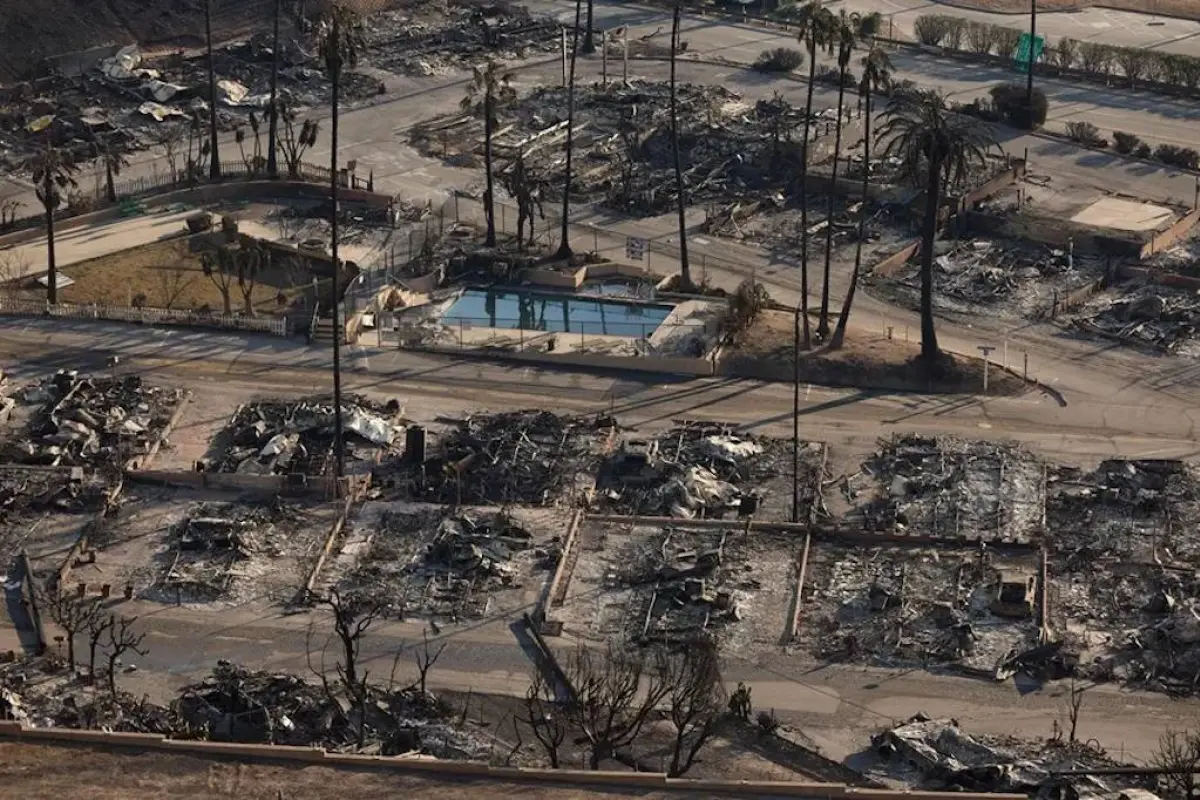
[{"x": 169, "y": 274}]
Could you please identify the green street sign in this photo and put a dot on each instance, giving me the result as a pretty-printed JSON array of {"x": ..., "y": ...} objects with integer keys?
[{"x": 1021, "y": 57}]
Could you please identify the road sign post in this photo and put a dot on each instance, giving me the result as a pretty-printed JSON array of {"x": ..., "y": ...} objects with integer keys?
[
  {"x": 986, "y": 349},
  {"x": 635, "y": 248},
  {"x": 1029, "y": 45}
]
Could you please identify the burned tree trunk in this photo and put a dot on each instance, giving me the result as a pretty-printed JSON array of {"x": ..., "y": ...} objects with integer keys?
[{"x": 685, "y": 272}]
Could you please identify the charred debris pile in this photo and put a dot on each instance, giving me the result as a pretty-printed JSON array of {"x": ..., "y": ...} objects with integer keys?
[
  {"x": 1126, "y": 551},
  {"x": 684, "y": 584},
  {"x": 430, "y": 38},
  {"x": 1146, "y": 314},
  {"x": 217, "y": 543},
  {"x": 896, "y": 607},
  {"x": 92, "y": 421},
  {"x": 448, "y": 565},
  {"x": 703, "y": 469},
  {"x": 937, "y": 754},
  {"x": 242, "y": 705},
  {"x": 946, "y": 487},
  {"x": 732, "y": 149},
  {"x": 237, "y": 704},
  {"x": 529, "y": 457},
  {"x": 277, "y": 437},
  {"x": 131, "y": 101}
]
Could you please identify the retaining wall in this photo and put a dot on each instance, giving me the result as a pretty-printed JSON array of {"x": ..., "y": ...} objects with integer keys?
[
  {"x": 1165, "y": 239},
  {"x": 450, "y": 770},
  {"x": 1054, "y": 232},
  {"x": 895, "y": 262}
]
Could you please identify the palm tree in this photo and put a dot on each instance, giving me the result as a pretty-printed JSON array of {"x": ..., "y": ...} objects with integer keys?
[
  {"x": 53, "y": 174},
  {"x": 339, "y": 43},
  {"x": 876, "y": 75},
  {"x": 214, "y": 164},
  {"x": 814, "y": 22},
  {"x": 845, "y": 35},
  {"x": 936, "y": 149},
  {"x": 114, "y": 161},
  {"x": 685, "y": 270},
  {"x": 273, "y": 129},
  {"x": 488, "y": 90},
  {"x": 564, "y": 248}
]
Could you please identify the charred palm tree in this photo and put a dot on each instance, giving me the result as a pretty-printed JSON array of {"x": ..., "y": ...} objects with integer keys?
[
  {"x": 685, "y": 270},
  {"x": 937, "y": 149},
  {"x": 876, "y": 76},
  {"x": 340, "y": 41},
  {"x": 815, "y": 24},
  {"x": 849, "y": 30},
  {"x": 489, "y": 89}
]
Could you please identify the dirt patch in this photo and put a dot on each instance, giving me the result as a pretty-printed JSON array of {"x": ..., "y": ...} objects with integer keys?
[
  {"x": 868, "y": 361},
  {"x": 169, "y": 274},
  {"x": 1183, "y": 9}
]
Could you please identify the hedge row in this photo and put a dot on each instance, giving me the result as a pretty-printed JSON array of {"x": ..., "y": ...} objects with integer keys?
[{"x": 1092, "y": 59}]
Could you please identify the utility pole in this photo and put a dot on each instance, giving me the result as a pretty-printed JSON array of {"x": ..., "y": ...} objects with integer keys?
[
  {"x": 1032, "y": 58},
  {"x": 564, "y": 56}
]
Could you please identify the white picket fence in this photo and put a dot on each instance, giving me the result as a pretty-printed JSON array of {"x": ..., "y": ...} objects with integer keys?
[{"x": 148, "y": 316}]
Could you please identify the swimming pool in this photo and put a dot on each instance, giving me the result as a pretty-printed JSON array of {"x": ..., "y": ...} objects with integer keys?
[{"x": 561, "y": 313}]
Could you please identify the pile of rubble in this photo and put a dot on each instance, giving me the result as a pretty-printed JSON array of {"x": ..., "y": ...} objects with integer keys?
[
  {"x": 1010, "y": 278},
  {"x": 936, "y": 754},
  {"x": 1125, "y": 553},
  {"x": 440, "y": 36},
  {"x": 954, "y": 488},
  {"x": 53, "y": 704},
  {"x": 242, "y": 705},
  {"x": 730, "y": 148},
  {"x": 447, "y": 566},
  {"x": 213, "y": 545},
  {"x": 684, "y": 584},
  {"x": 92, "y": 421},
  {"x": 284, "y": 437},
  {"x": 531, "y": 457},
  {"x": 905, "y": 608},
  {"x": 1150, "y": 315},
  {"x": 699, "y": 469}
]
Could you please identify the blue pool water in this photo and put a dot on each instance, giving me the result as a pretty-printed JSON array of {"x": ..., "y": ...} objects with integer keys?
[{"x": 534, "y": 311}]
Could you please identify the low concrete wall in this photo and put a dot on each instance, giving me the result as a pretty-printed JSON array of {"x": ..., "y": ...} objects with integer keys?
[
  {"x": 462, "y": 769},
  {"x": 895, "y": 262},
  {"x": 1054, "y": 232},
  {"x": 1075, "y": 298},
  {"x": 1165, "y": 239},
  {"x": 556, "y": 278},
  {"x": 681, "y": 365}
]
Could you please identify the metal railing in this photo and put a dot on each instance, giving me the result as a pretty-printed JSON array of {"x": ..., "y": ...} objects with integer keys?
[{"x": 162, "y": 316}]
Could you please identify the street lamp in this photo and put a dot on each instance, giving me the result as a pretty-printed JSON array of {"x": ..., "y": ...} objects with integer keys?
[{"x": 987, "y": 350}]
